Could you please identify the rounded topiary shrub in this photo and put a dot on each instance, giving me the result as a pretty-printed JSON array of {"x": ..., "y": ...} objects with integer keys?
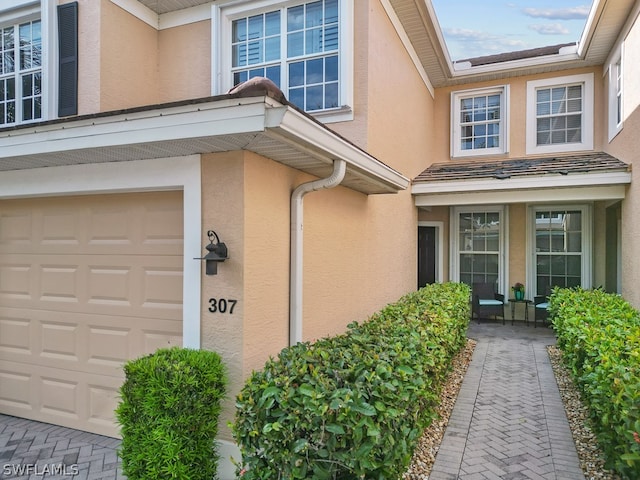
[{"x": 170, "y": 403}]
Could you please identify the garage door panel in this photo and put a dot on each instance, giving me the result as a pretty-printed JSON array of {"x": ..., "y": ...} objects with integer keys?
[
  {"x": 15, "y": 389},
  {"x": 142, "y": 223},
  {"x": 93, "y": 343},
  {"x": 111, "y": 284},
  {"x": 62, "y": 397},
  {"x": 86, "y": 283}
]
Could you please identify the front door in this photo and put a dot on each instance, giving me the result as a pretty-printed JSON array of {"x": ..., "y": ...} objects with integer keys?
[{"x": 426, "y": 256}]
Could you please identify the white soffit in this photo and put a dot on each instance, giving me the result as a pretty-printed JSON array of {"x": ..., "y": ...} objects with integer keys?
[{"x": 258, "y": 124}]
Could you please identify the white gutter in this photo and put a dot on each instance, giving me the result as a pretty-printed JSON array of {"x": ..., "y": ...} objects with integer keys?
[{"x": 297, "y": 215}]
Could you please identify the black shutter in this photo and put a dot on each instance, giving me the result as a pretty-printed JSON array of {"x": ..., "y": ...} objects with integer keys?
[{"x": 68, "y": 59}]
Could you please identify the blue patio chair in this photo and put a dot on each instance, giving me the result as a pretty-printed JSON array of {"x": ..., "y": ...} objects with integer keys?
[
  {"x": 541, "y": 309},
  {"x": 486, "y": 302}
]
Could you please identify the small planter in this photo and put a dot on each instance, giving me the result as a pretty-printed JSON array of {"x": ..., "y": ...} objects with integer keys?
[{"x": 518, "y": 291}]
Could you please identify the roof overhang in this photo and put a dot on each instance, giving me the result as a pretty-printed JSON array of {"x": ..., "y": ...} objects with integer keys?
[
  {"x": 536, "y": 188},
  {"x": 606, "y": 20},
  {"x": 258, "y": 124}
]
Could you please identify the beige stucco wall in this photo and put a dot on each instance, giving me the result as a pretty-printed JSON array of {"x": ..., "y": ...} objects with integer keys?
[
  {"x": 626, "y": 146},
  {"x": 517, "y": 245},
  {"x": 89, "y": 72},
  {"x": 387, "y": 86},
  {"x": 184, "y": 59},
  {"x": 128, "y": 59},
  {"x": 223, "y": 211},
  {"x": 267, "y": 191}
]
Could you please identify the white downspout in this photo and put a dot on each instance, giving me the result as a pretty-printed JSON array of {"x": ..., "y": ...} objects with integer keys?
[{"x": 297, "y": 215}]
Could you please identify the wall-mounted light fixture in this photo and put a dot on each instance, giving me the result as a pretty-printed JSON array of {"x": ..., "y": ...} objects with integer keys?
[{"x": 217, "y": 252}]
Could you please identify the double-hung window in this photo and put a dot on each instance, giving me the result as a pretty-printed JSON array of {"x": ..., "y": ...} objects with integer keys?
[
  {"x": 296, "y": 45},
  {"x": 479, "y": 122},
  {"x": 478, "y": 245},
  {"x": 560, "y": 114},
  {"x": 21, "y": 72},
  {"x": 562, "y": 243},
  {"x": 616, "y": 118}
]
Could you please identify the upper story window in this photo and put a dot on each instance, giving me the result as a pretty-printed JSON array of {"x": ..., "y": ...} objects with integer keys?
[
  {"x": 560, "y": 114},
  {"x": 298, "y": 45},
  {"x": 21, "y": 72},
  {"x": 615, "y": 95},
  {"x": 479, "y": 122},
  {"x": 38, "y": 61}
]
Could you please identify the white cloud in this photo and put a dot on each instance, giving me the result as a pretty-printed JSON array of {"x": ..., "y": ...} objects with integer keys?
[
  {"x": 467, "y": 34},
  {"x": 550, "y": 29},
  {"x": 467, "y": 43},
  {"x": 571, "y": 13}
]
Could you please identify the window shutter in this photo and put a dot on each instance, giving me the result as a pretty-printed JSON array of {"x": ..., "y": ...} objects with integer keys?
[{"x": 68, "y": 59}]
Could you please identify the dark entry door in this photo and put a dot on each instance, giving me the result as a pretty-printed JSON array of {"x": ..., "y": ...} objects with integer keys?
[{"x": 426, "y": 255}]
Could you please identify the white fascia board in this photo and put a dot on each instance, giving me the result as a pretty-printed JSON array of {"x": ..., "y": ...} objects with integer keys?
[
  {"x": 331, "y": 146},
  {"x": 539, "y": 195},
  {"x": 464, "y": 70},
  {"x": 523, "y": 183},
  {"x": 139, "y": 11},
  {"x": 185, "y": 16},
  {"x": 178, "y": 18},
  {"x": 189, "y": 121}
]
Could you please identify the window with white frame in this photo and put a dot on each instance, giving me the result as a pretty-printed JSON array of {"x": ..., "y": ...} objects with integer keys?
[
  {"x": 20, "y": 72},
  {"x": 479, "y": 122},
  {"x": 615, "y": 95},
  {"x": 562, "y": 239},
  {"x": 478, "y": 245},
  {"x": 560, "y": 114},
  {"x": 298, "y": 45}
]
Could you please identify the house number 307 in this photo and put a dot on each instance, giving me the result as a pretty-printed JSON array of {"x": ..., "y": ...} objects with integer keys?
[{"x": 222, "y": 305}]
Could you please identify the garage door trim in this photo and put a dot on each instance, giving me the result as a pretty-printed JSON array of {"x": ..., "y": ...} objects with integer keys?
[{"x": 180, "y": 173}]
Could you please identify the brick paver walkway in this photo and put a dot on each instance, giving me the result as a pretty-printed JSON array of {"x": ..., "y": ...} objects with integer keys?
[
  {"x": 36, "y": 451},
  {"x": 508, "y": 422}
]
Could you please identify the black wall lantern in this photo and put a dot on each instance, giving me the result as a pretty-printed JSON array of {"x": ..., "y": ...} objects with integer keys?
[{"x": 216, "y": 252}]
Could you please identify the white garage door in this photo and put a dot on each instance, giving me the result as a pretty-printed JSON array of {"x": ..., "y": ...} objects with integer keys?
[{"x": 86, "y": 283}]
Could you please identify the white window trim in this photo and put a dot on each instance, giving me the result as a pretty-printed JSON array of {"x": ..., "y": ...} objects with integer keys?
[
  {"x": 224, "y": 12},
  {"x": 456, "y": 151},
  {"x": 587, "y": 241},
  {"x": 587, "y": 114},
  {"x": 20, "y": 11},
  {"x": 454, "y": 236},
  {"x": 439, "y": 226},
  {"x": 614, "y": 126}
]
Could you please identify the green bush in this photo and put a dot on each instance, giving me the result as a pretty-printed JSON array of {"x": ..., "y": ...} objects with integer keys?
[
  {"x": 353, "y": 405},
  {"x": 169, "y": 414},
  {"x": 599, "y": 335}
]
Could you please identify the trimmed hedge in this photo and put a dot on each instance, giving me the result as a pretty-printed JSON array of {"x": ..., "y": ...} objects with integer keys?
[
  {"x": 169, "y": 414},
  {"x": 353, "y": 405},
  {"x": 599, "y": 335}
]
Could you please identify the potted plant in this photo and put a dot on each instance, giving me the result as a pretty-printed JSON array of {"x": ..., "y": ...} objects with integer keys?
[{"x": 518, "y": 291}]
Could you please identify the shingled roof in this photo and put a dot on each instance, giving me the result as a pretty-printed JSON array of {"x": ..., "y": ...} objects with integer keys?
[
  {"x": 519, "y": 167},
  {"x": 518, "y": 55}
]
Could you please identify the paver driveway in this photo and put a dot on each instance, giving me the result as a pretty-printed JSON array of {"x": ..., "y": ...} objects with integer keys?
[{"x": 35, "y": 451}]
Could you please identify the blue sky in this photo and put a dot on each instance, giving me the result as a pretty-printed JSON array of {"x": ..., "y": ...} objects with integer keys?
[{"x": 473, "y": 28}]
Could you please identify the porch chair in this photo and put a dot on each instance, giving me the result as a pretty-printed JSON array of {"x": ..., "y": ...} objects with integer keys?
[
  {"x": 486, "y": 302},
  {"x": 540, "y": 308}
]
